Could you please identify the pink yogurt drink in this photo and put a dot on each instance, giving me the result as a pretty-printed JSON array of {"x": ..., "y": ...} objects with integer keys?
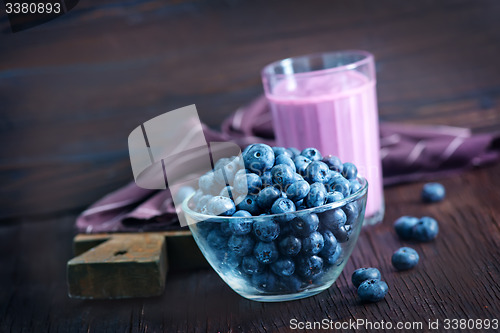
[{"x": 328, "y": 101}]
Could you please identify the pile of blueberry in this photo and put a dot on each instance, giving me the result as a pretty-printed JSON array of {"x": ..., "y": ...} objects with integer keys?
[{"x": 272, "y": 244}]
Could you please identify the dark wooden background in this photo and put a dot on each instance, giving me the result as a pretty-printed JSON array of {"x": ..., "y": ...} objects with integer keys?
[{"x": 72, "y": 90}]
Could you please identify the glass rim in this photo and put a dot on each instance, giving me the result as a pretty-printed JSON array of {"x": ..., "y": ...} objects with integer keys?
[
  {"x": 216, "y": 218},
  {"x": 367, "y": 58}
]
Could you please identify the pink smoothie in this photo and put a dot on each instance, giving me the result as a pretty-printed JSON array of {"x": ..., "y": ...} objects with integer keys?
[{"x": 336, "y": 113}]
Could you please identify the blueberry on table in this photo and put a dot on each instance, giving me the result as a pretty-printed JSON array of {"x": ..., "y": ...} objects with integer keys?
[
  {"x": 404, "y": 258},
  {"x": 316, "y": 196},
  {"x": 362, "y": 274},
  {"x": 240, "y": 245},
  {"x": 258, "y": 158},
  {"x": 349, "y": 171},
  {"x": 433, "y": 192},
  {"x": 284, "y": 159},
  {"x": 267, "y": 196},
  {"x": 309, "y": 267},
  {"x": 312, "y": 153},
  {"x": 283, "y": 267},
  {"x": 333, "y": 163},
  {"x": 265, "y": 252},
  {"x": 283, "y": 205},
  {"x": 282, "y": 175},
  {"x": 298, "y": 190},
  {"x": 221, "y": 206},
  {"x": 265, "y": 281},
  {"x": 305, "y": 224},
  {"x": 317, "y": 171},
  {"x": 329, "y": 244},
  {"x": 425, "y": 230},
  {"x": 313, "y": 243},
  {"x": 372, "y": 290},
  {"x": 248, "y": 203},
  {"x": 404, "y": 226},
  {"x": 334, "y": 197},
  {"x": 247, "y": 183},
  {"x": 290, "y": 246},
  {"x": 242, "y": 225},
  {"x": 301, "y": 163},
  {"x": 250, "y": 265},
  {"x": 267, "y": 230}
]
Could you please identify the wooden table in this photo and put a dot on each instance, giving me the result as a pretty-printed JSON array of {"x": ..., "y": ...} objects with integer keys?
[{"x": 73, "y": 89}]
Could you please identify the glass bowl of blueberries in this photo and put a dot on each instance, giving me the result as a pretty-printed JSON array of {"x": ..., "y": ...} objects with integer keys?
[{"x": 275, "y": 223}]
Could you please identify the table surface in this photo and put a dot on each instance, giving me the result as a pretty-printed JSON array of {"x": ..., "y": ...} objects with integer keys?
[{"x": 73, "y": 89}]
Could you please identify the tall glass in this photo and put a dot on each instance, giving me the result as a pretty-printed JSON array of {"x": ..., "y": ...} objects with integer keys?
[{"x": 328, "y": 101}]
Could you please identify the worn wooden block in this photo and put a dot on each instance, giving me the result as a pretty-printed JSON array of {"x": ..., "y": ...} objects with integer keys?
[
  {"x": 124, "y": 266},
  {"x": 102, "y": 269}
]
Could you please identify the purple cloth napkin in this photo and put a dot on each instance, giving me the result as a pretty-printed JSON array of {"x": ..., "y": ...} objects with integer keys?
[{"x": 408, "y": 152}]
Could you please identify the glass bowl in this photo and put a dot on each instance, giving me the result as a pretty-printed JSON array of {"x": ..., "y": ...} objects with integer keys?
[{"x": 250, "y": 267}]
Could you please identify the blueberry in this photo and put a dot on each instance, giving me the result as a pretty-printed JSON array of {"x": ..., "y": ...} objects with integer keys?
[
  {"x": 342, "y": 233},
  {"x": 404, "y": 258},
  {"x": 202, "y": 201},
  {"x": 294, "y": 151},
  {"x": 267, "y": 197},
  {"x": 265, "y": 281},
  {"x": 355, "y": 186},
  {"x": 372, "y": 290},
  {"x": 216, "y": 240},
  {"x": 266, "y": 253},
  {"x": 305, "y": 224},
  {"x": 309, "y": 267},
  {"x": 283, "y": 175},
  {"x": 224, "y": 228},
  {"x": 204, "y": 227},
  {"x": 250, "y": 265},
  {"x": 284, "y": 159},
  {"x": 183, "y": 193},
  {"x": 229, "y": 261},
  {"x": 297, "y": 177},
  {"x": 349, "y": 171},
  {"x": 224, "y": 173},
  {"x": 207, "y": 183},
  {"x": 425, "y": 230},
  {"x": 266, "y": 178},
  {"x": 362, "y": 274},
  {"x": 334, "y": 197},
  {"x": 301, "y": 204},
  {"x": 316, "y": 196},
  {"x": 297, "y": 190},
  {"x": 227, "y": 192},
  {"x": 278, "y": 151},
  {"x": 248, "y": 183},
  {"x": 312, "y": 153},
  {"x": 317, "y": 171},
  {"x": 333, "y": 163},
  {"x": 221, "y": 206},
  {"x": 330, "y": 244},
  {"x": 266, "y": 230},
  {"x": 283, "y": 267},
  {"x": 290, "y": 283},
  {"x": 351, "y": 211},
  {"x": 240, "y": 245},
  {"x": 333, "y": 219},
  {"x": 340, "y": 184},
  {"x": 313, "y": 243},
  {"x": 221, "y": 163},
  {"x": 433, "y": 192},
  {"x": 248, "y": 203},
  {"x": 259, "y": 158},
  {"x": 241, "y": 226},
  {"x": 290, "y": 246},
  {"x": 301, "y": 163},
  {"x": 283, "y": 205},
  {"x": 196, "y": 197},
  {"x": 333, "y": 258},
  {"x": 404, "y": 226}
]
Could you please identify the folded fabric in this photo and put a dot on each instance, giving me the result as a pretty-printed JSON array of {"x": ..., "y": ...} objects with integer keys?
[{"x": 408, "y": 153}]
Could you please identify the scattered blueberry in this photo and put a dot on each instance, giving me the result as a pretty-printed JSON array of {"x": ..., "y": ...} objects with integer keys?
[
  {"x": 372, "y": 290},
  {"x": 404, "y": 226},
  {"x": 425, "y": 230},
  {"x": 433, "y": 192},
  {"x": 362, "y": 274},
  {"x": 405, "y": 258}
]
